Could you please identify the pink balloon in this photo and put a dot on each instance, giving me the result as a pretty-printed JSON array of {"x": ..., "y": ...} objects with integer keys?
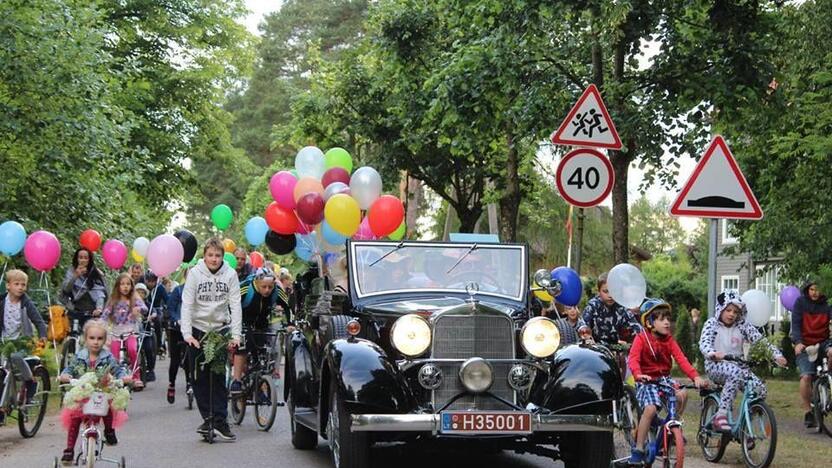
[
  {"x": 42, "y": 250},
  {"x": 165, "y": 254},
  {"x": 282, "y": 187},
  {"x": 364, "y": 231},
  {"x": 114, "y": 253},
  {"x": 336, "y": 174}
]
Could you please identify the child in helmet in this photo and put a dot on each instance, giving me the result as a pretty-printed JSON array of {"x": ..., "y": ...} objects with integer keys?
[
  {"x": 724, "y": 335},
  {"x": 651, "y": 358}
]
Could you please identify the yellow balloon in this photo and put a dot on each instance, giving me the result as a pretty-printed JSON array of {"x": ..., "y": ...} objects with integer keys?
[
  {"x": 343, "y": 214},
  {"x": 542, "y": 294},
  {"x": 136, "y": 257},
  {"x": 229, "y": 245}
]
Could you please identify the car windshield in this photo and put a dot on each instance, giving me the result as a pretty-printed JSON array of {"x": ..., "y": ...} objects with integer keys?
[{"x": 385, "y": 267}]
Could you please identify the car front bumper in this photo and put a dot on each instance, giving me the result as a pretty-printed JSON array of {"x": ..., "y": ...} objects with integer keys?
[{"x": 432, "y": 423}]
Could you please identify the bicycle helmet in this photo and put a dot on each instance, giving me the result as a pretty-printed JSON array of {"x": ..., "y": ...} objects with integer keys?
[
  {"x": 264, "y": 273},
  {"x": 646, "y": 311}
]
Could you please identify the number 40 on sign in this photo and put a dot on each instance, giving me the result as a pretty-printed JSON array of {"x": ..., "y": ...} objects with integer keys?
[{"x": 584, "y": 177}]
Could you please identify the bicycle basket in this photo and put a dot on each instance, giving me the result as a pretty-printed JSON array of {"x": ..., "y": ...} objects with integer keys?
[{"x": 97, "y": 405}]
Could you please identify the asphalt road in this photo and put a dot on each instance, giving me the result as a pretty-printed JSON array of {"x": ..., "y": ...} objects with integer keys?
[{"x": 163, "y": 435}]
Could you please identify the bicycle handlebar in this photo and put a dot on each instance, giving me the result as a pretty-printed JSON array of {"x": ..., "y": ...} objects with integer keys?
[{"x": 662, "y": 384}]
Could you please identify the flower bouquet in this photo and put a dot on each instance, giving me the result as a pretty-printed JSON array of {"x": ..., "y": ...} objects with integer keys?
[{"x": 94, "y": 385}]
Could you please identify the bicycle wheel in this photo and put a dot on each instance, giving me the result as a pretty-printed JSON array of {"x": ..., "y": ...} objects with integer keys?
[
  {"x": 711, "y": 442},
  {"x": 91, "y": 449},
  {"x": 822, "y": 401},
  {"x": 30, "y": 415},
  {"x": 237, "y": 404},
  {"x": 629, "y": 413},
  {"x": 674, "y": 449},
  {"x": 759, "y": 439},
  {"x": 265, "y": 403}
]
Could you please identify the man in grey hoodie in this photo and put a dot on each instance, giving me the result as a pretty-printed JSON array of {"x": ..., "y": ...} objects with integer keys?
[{"x": 211, "y": 290}]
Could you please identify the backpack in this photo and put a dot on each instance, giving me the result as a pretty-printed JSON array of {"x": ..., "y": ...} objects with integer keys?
[{"x": 58, "y": 326}]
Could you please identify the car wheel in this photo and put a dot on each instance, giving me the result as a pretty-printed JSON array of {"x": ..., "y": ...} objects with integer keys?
[
  {"x": 587, "y": 450},
  {"x": 349, "y": 449},
  {"x": 303, "y": 438}
]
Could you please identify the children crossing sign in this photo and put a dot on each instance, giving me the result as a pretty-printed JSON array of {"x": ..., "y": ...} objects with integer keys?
[
  {"x": 588, "y": 124},
  {"x": 717, "y": 188}
]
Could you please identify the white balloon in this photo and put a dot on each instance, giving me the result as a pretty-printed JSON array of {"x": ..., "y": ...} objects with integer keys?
[
  {"x": 759, "y": 307},
  {"x": 365, "y": 186},
  {"x": 310, "y": 162},
  {"x": 627, "y": 285},
  {"x": 140, "y": 245},
  {"x": 335, "y": 188}
]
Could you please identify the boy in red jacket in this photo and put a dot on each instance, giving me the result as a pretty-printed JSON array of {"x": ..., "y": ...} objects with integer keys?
[{"x": 651, "y": 358}]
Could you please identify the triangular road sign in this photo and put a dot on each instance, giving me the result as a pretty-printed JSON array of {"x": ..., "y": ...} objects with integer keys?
[
  {"x": 588, "y": 124},
  {"x": 717, "y": 188}
]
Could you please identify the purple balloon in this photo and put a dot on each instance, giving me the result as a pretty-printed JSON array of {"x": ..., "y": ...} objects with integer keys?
[
  {"x": 165, "y": 254},
  {"x": 788, "y": 296},
  {"x": 42, "y": 250},
  {"x": 282, "y": 187},
  {"x": 114, "y": 253}
]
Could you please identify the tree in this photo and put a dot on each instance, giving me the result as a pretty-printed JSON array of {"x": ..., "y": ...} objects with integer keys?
[{"x": 652, "y": 228}]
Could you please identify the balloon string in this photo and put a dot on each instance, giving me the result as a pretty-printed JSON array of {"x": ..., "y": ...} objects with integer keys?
[
  {"x": 44, "y": 279},
  {"x": 4, "y": 269}
]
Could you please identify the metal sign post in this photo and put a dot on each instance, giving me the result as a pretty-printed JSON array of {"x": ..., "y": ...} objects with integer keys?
[{"x": 712, "y": 242}]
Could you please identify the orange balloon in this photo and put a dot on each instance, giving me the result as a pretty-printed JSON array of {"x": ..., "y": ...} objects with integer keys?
[
  {"x": 229, "y": 245},
  {"x": 306, "y": 185}
]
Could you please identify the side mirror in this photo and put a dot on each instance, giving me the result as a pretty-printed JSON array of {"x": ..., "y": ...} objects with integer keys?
[{"x": 543, "y": 278}]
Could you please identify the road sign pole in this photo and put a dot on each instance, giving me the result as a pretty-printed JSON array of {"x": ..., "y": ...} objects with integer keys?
[{"x": 712, "y": 243}]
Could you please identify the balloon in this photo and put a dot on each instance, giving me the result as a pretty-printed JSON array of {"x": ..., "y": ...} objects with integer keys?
[
  {"x": 256, "y": 259},
  {"x": 90, "y": 240},
  {"x": 309, "y": 241},
  {"x": 385, "y": 215},
  {"x": 304, "y": 228},
  {"x": 189, "y": 244},
  {"x": 336, "y": 174},
  {"x": 542, "y": 294},
  {"x": 114, "y": 253},
  {"x": 788, "y": 296},
  {"x": 399, "y": 233},
  {"x": 343, "y": 214},
  {"x": 310, "y": 208},
  {"x": 140, "y": 245},
  {"x": 165, "y": 254},
  {"x": 338, "y": 157},
  {"x": 42, "y": 250},
  {"x": 758, "y": 306},
  {"x": 280, "y": 244},
  {"x": 281, "y": 220},
  {"x": 229, "y": 245},
  {"x": 221, "y": 216},
  {"x": 310, "y": 162},
  {"x": 303, "y": 253},
  {"x": 12, "y": 238},
  {"x": 230, "y": 259},
  {"x": 256, "y": 229},
  {"x": 570, "y": 286},
  {"x": 330, "y": 236},
  {"x": 365, "y": 186},
  {"x": 364, "y": 231},
  {"x": 282, "y": 187},
  {"x": 335, "y": 187},
  {"x": 627, "y": 285},
  {"x": 307, "y": 185},
  {"x": 136, "y": 257}
]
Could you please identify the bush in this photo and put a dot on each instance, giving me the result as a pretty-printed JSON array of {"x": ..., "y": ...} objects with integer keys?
[
  {"x": 683, "y": 333},
  {"x": 786, "y": 343}
]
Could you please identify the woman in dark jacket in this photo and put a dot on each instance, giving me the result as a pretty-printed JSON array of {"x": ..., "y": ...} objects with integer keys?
[
  {"x": 83, "y": 290},
  {"x": 810, "y": 335}
]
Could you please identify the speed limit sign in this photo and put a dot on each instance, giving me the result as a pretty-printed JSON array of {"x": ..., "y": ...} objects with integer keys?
[{"x": 585, "y": 177}]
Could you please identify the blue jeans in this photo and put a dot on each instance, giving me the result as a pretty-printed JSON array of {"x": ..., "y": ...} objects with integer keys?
[{"x": 808, "y": 367}]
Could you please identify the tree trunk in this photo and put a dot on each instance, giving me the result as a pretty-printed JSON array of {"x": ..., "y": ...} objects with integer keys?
[
  {"x": 620, "y": 214},
  {"x": 468, "y": 218},
  {"x": 410, "y": 193},
  {"x": 510, "y": 201}
]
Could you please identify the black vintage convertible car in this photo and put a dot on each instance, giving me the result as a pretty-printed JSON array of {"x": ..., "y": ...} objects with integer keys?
[{"x": 434, "y": 342}]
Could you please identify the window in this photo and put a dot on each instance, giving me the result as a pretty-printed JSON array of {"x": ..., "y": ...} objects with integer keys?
[
  {"x": 768, "y": 281},
  {"x": 730, "y": 282},
  {"x": 727, "y": 238}
]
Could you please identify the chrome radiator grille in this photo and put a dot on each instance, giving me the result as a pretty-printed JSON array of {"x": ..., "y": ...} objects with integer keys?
[{"x": 467, "y": 336}]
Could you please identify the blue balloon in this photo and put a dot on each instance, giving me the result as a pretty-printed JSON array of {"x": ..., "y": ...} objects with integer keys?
[
  {"x": 256, "y": 229},
  {"x": 12, "y": 238},
  {"x": 570, "y": 286},
  {"x": 330, "y": 235}
]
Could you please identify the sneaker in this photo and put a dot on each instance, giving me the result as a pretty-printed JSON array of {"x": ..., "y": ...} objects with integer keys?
[
  {"x": 171, "y": 394},
  {"x": 110, "y": 437},
  {"x": 31, "y": 389},
  {"x": 636, "y": 457},
  {"x": 203, "y": 428},
  {"x": 68, "y": 457},
  {"x": 720, "y": 423},
  {"x": 809, "y": 420},
  {"x": 151, "y": 376},
  {"x": 222, "y": 431},
  {"x": 236, "y": 387}
]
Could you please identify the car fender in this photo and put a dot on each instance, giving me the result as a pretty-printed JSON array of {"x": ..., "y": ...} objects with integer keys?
[
  {"x": 300, "y": 371},
  {"x": 582, "y": 379}
]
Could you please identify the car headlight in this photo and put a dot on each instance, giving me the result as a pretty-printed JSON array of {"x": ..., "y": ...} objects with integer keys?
[
  {"x": 476, "y": 375},
  {"x": 411, "y": 335},
  {"x": 540, "y": 337}
]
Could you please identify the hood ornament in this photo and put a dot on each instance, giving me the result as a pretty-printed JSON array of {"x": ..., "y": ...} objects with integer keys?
[{"x": 472, "y": 288}]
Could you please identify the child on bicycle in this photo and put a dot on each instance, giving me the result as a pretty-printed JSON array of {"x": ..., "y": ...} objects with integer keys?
[
  {"x": 123, "y": 313},
  {"x": 651, "y": 358},
  {"x": 94, "y": 357},
  {"x": 19, "y": 318},
  {"x": 724, "y": 335},
  {"x": 258, "y": 297}
]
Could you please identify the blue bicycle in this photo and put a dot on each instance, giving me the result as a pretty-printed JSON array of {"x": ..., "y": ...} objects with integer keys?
[{"x": 753, "y": 427}]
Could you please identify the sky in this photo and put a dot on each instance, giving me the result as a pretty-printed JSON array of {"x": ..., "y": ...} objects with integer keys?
[{"x": 258, "y": 9}]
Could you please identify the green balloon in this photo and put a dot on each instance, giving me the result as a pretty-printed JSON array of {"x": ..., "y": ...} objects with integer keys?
[
  {"x": 221, "y": 216},
  {"x": 294, "y": 172},
  {"x": 398, "y": 234},
  {"x": 338, "y": 157},
  {"x": 230, "y": 259}
]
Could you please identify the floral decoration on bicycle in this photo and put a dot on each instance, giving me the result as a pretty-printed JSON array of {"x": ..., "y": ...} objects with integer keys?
[{"x": 215, "y": 348}]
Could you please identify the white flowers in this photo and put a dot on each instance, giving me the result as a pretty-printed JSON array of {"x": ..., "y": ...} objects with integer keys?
[{"x": 83, "y": 388}]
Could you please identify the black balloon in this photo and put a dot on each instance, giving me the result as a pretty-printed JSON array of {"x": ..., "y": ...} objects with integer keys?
[
  {"x": 189, "y": 244},
  {"x": 279, "y": 243}
]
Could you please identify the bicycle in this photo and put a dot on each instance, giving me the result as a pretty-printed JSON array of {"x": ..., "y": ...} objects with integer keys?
[
  {"x": 72, "y": 343},
  {"x": 627, "y": 411},
  {"x": 753, "y": 426},
  {"x": 124, "y": 358},
  {"x": 258, "y": 384},
  {"x": 822, "y": 397},
  {"x": 15, "y": 395},
  {"x": 91, "y": 434}
]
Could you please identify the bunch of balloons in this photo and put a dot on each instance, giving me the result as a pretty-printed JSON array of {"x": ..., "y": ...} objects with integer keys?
[{"x": 322, "y": 203}]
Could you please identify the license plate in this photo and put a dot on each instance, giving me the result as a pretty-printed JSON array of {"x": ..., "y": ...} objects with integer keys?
[{"x": 486, "y": 422}]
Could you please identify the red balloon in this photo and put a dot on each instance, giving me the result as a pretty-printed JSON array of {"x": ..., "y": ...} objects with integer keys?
[
  {"x": 90, "y": 240},
  {"x": 385, "y": 215},
  {"x": 310, "y": 208},
  {"x": 281, "y": 220},
  {"x": 256, "y": 259},
  {"x": 335, "y": 174}
]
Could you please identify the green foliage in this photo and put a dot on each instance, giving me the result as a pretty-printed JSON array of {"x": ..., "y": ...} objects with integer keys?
[
  {"x": 760, "y": 352},
  {"x": 23, "y": 344},
  {"x": 674, "y": 279},
  {"x": 215, "y": 349},
  {"x": 652, "y": 228},
  {"x": 785, "y": 344},
  {"x": 684, "y": 335}
]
